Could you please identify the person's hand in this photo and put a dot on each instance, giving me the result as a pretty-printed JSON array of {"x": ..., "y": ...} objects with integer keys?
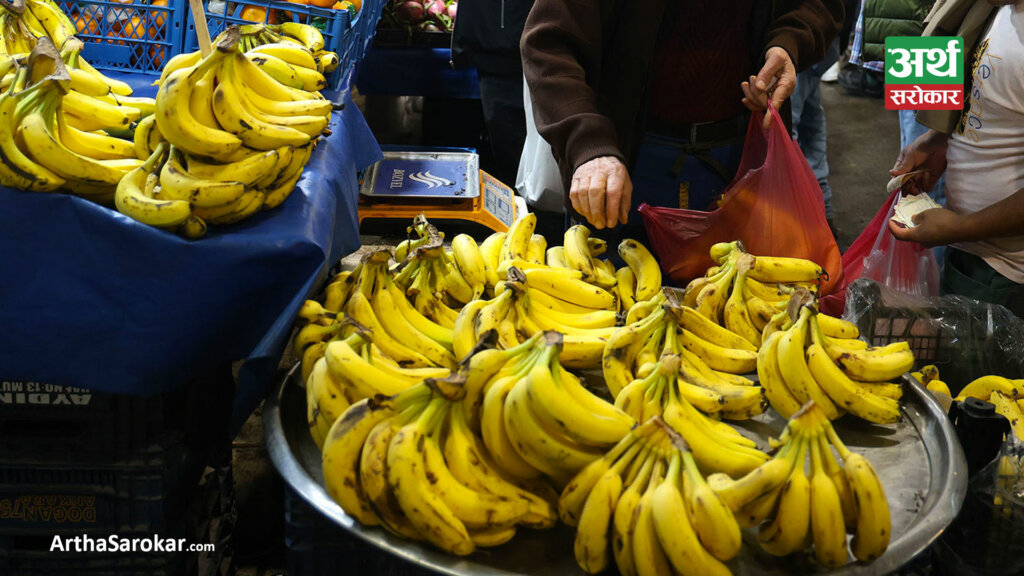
[
  {"x": 935, "y": 227},
  {"x": 927, "y": 153},
  {"x": 776, "y": 81},
  {"x": 602, "y": 192}
]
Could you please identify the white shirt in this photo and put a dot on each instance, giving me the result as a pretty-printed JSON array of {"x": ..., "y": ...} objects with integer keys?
[{"x": 986, "y": 153}]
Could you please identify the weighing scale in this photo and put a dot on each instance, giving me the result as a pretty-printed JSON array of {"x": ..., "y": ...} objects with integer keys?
[{"x": 440, "y": 185}]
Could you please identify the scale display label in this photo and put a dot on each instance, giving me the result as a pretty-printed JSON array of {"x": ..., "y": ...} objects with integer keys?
[
  {"x": 498, "y": 199},
  {"x": 425, "y": 175}
]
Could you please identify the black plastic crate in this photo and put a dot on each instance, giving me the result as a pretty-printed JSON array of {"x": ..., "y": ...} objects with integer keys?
[
  {"x": 206, "y": 516},
  {"x": 42, "y": 423},
  {"x": 317, "y": 547},
  {"x": 963, "y": 338}
]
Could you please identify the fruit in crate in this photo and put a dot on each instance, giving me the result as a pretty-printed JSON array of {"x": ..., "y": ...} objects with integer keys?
[{"x": 420, "y": 15}]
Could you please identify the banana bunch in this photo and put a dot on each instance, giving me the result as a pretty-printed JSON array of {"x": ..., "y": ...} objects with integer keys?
[
  {"x": 928, "y": 376},
  {"x": 744, "y": 291},
  {"x": 531, "y": 302},
  {"x": 646, "y": 505},
  {"x": 794, "y": 509},
  {"x": 552, "y": 423},
  {"x": 410, "y": 464},
  {"x": 433, "y": 278},
  {"x": 716, "y": 446},
  {"x": 804, "y": 361},
  {"x": 238, "y": 144},
  {"x": 44, "y": 148},
  {"x": 712, "y": 357},
  {"x": 1005, "y": 394}
]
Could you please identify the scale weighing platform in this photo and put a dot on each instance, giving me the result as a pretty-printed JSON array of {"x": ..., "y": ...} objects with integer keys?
[{"x": 440, "y": 185}]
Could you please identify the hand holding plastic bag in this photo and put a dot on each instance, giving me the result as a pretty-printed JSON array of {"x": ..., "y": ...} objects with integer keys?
[{"x": 774, "y": 206}]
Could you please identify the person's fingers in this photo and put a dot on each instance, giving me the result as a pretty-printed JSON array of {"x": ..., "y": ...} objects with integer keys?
[
  {"x": 767, "y": 122},
  {"x": 774, "y": 62},
  {"x": 596, "y": 191},
  {"x": 783, "y": 90},
  {"x": 900, "y": 232},
  {"x": 577, "y": 196},
  {"x": 627, "y": 201},
  {"x": 899, "y": 167},
  {"x": 613, "y": 196}
]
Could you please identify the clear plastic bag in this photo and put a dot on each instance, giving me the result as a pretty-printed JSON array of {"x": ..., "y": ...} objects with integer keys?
[
  {"x": 774, "y": 205},
  {"x": 986, "y": 537},
  {"x": 964, "y": 338},
  {"x": 905, "y": 266}
]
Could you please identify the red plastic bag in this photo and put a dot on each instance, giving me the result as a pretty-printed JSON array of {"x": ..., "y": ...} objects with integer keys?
[
  {"x": 905, "y": 266},
  {"x": 774, "y": 206}
]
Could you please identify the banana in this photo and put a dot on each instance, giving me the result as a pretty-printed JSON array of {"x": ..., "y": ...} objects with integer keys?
[
  {"x": 645, "y": 268},
  {"x": 341, "y": 453},
  {"x": 577, "y": 252},
  {"x": 490, "y": 251},
  {"x": 178, "y": 62},
  {"x": 131, "y": 200},
  {"x": 310, "y": 37},
  {"x": 784, "y": 269},
  {"x": 178, "y": 184},
  {"x": 555, "y": 257},
  {"x": 536, "y": 250},
  {"x": 147, "y": 137},
  {"x": 436, "y": 332},
  {"x": 774, "y": 294},
  {"x": 360, "y": 376},
  {"x": 710, "y": 300},
  {"x": 624, "y": 519},
  {"x": 795, "y": 372},
  {"x": 360, "y": 309},
  {"x": 398, "y": 327},
  {"x": 407, "y": 475},
  {"x": 711, "y": 518},
  {"x": 478, "y": 510},
  {"x": 457, "y": 286},
  {"x": 174, "y": 118},
  {"x": 707, "y": 330},
  {"x": 277, "y": 69},
  {"x": 470, "y": 260},
  {"x": 873, "y": 528},
  {"x": 625, "y": 288},
  {"x": 837, "y": 327},
  {"x": 236, "y": 117},
  {"x": 736, "y": 316},
  {"x": 247, "y": 171},
  {"x": 290, "y": 53},
  {"x": 842, "y": 484},
  {"x": 846, "y": 393},
  {"x": 543, "y": 447},
  {"x": 373, "y": 479},
  {"x": 574, "y": 496},
  {"x": 1009, "y": 409},
  {"x": 495, "y": 435},
  {"x": 875, "y": 364},
  {"x": 982, "y": 388},
  {"x": 93, "y": 145},
  {"x": 464, "y": 333},
  {"x": 16, "y": 168},
  {"x": 591, "y": 544},
  {"x": 770, "y": 376},
  {"x": 731, "y": 360},
  {"x": 594, "y": 424},
  {"x": 758, "y": 483},
  {"x": 648, "y": 554},
  {"x": 326, "y": 392},
  {"x": 937, "y": 387},
  {"x": 98, "y": 114},
  {"x": 556, "y": 282},
  {"x": 786, "y": 533},
  {"x": 828, "y": 529},
  {"x": 517, "y": 241}
]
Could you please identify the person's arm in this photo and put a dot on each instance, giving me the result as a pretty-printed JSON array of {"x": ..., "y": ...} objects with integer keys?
[
  {"x": 561, "y": 50},
  {"x": 798, "y": 37},
  {"x": 940, "y": 226},
  {"x": 928, "y": 154}
]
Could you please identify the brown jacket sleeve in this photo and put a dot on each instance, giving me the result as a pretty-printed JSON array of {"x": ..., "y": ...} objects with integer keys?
[
  {"x": 804, "y": 29},
  {"x": 561, "y": 49}
]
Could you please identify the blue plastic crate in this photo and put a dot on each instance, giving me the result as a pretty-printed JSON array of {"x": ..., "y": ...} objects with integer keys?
[
  {"x": 334, "y": 25},
  {"x": 132, "y": 36}
]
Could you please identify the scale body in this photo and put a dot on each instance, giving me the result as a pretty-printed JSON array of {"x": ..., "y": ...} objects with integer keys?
[{"x": 440, "y": 185}]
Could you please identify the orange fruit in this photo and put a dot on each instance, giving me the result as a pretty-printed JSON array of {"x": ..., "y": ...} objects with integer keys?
[
  {"x": 321, "y": 3},
  {"x": 255, "y": 14}
]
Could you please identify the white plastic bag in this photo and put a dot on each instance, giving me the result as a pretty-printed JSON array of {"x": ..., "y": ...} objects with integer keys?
[{"x": 538, "y": 180}]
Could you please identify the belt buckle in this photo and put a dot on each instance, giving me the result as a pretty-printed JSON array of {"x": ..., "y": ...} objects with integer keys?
[{"x": 693, "y": 130}]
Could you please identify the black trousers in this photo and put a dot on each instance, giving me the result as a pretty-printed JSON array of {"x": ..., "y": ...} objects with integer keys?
[{"x": 505, "y": 117}]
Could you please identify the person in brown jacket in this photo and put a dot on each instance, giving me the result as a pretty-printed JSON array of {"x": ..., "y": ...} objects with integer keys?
[{"x": 649, "y": 100}]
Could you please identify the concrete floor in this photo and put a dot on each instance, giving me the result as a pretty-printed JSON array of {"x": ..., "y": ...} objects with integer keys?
[{"x": 863, "y": 142}]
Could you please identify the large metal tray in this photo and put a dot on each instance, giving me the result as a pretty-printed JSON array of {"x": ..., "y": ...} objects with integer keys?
[{"x": 919, "y": 460}]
